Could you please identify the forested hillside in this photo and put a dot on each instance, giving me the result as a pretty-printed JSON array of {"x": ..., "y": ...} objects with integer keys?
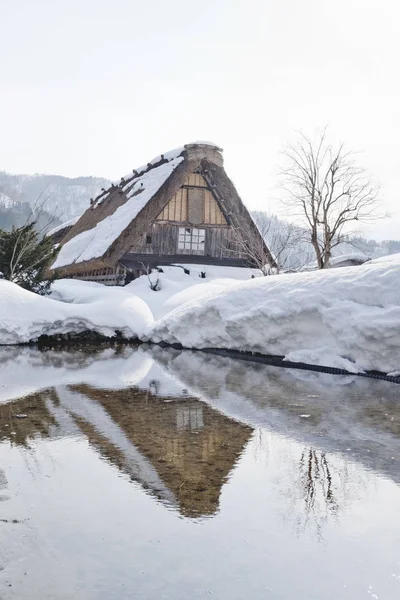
[{"x": 64, "y": 197}]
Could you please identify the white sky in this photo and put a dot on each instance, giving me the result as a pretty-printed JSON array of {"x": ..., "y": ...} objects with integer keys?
[{"x": 98, "y": 87}]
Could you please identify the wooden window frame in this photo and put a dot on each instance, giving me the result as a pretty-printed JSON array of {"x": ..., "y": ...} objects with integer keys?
[{"x": 191, "y": 240}]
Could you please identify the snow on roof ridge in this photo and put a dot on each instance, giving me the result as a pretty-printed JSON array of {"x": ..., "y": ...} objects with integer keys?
[
  {"x": 129, "y": 181},
  {"x": 168, "y": 156}
]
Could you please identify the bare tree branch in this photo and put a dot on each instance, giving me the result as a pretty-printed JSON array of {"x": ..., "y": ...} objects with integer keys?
[
  {"x": 281, "y": 239},
  {"x": 326, "y": 188}
]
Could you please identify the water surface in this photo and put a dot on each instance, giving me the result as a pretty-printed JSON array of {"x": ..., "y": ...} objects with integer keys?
[{"x": 158, "y": 474}]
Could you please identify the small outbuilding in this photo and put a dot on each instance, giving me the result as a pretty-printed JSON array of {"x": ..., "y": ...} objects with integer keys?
[{"x": 179, "y": 209}]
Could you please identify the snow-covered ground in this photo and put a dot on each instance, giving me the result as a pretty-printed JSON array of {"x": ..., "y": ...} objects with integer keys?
[
  {"x": 347, "y": 318},
  {"x": 178, "y": 287}
]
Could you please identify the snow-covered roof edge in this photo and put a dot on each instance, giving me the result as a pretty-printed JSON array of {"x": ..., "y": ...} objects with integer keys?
[{"x": 64, "y": 225}]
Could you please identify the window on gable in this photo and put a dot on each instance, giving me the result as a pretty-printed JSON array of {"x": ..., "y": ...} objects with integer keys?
[
  {"x": 191, "y": 240},
  {"x": 148, "y": 239}
]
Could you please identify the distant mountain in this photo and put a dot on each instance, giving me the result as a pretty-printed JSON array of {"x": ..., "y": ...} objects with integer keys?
[
  {"x": 66, "y": 198},
  {"x": 17, "y": 213},
  {"x": 12, "y": 212},
  {"x": 6, "y": 203}
]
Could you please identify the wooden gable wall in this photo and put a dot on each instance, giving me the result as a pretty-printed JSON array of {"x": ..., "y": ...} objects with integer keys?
[
  {"x": 192, "y": 209},
  {"x": 193, "y": 204}
]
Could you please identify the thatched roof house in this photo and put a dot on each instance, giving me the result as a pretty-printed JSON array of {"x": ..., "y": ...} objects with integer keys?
[{"x": 179, "y": 208}]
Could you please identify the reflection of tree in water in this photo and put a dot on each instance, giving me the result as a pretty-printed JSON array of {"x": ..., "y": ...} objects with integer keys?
[
  {"x": 315, "y": 478},
  {"x": 324, "y": 487},
  {"x": 315, "y": 488}
]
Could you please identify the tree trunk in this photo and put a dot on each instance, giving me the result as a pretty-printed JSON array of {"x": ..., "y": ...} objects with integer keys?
[{"x": 314, "y": 242}]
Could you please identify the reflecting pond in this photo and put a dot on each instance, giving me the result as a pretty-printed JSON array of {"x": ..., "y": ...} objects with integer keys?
[{"x": 151, "y": 473}]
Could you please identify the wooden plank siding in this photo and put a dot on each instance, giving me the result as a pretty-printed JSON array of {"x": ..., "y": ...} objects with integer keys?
[
  {"x": 220, "y": 243},
  {"x": 196, "y": 180},
  {"x": 182, "y": 206},
  {"x": 212, "y": 212},
  {"x": 177, "y": 208},
  {"x": 135, "y": 262},
  {"x": 162, "y": 239}
]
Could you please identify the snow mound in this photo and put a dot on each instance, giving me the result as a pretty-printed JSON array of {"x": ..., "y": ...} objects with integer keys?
[
  {"x": 25, "y": 316},
  {"x": 180, "y": 283},
  {"x": 347, "y": 318}
]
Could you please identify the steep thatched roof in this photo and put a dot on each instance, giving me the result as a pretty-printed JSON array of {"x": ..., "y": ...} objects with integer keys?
[{"x": 121, "y": 214}]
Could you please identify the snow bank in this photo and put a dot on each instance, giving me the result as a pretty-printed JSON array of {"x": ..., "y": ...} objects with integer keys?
[
  {"x": 76, "y": 306},
  {"x": 25, "y": 316},
  {"x": 348, "y": 318}
]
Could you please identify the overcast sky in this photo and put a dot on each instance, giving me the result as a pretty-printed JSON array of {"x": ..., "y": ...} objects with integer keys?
[{"x": 98, "y": 87}]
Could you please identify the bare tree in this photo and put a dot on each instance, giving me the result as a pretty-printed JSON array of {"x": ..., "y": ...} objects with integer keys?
[
  {"x": 152, "y": 276},
  {"x": 285, "y": 241},
  {"x": 279, "y": 238},
  {"x": 328, "y": 191}
]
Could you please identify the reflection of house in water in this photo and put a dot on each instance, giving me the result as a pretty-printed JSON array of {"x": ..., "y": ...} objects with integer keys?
[
  {"x": 179, "y": 449},
  {"x": 192, "y": 447},
  {"x": 189, "y": 418}
]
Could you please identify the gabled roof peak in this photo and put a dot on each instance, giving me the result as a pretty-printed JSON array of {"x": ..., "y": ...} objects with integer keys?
[{"x": 194, "y": 150}]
